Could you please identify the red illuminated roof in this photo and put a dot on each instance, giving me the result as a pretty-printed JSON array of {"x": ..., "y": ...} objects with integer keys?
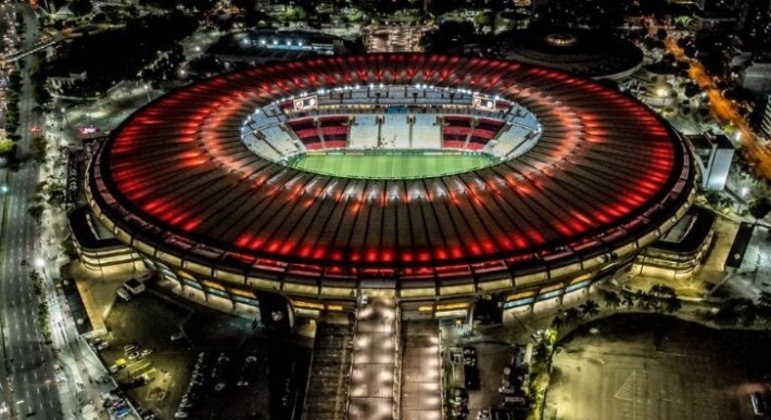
[{"x": 177, "y": 175}]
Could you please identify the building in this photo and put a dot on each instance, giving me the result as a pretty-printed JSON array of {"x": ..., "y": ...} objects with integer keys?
[
  {"x": 757, "y": 77},
  {"x": 204, "y": 184},
  {"x": 578, "y": 51},
  {"x": 393, "y": 38},
  {"x": 260, "y": 46},
  {"x": 679, "y": 254},
  {"x": 714, "y": 154},
  {"x": 765, "y": 121},
  {"x": 97, "y": 248}
]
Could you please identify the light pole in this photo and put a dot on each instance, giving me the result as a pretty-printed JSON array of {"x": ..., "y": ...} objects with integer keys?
[
  {"x": 41, "y": 264},
  {"x": 743, "y": 195},
  {"x": 64, "y": 116}
]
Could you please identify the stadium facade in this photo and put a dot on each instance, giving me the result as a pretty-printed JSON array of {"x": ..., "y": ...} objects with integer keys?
[{"x": 203, "y": 184}]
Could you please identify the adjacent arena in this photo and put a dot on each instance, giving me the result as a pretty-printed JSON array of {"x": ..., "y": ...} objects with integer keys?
[{"x": 431, "y": 178}]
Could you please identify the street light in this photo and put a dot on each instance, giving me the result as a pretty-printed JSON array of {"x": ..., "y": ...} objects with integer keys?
[
  {"x": 4, "y": 189},
  {"x": 743, "y": 195}
]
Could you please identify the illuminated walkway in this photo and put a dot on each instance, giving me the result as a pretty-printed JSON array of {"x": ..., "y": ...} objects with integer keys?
[
  {"x": 372, "y": 391},
  {"x": 421, "y": 397}
]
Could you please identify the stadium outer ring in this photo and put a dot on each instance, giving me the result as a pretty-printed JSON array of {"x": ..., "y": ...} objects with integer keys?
[{"x": 150, "y": 237}]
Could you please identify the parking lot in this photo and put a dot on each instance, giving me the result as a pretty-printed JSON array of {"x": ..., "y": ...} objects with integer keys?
[
  {"x": 244, "y": 372},
  {"x": 636, "y": 367}
]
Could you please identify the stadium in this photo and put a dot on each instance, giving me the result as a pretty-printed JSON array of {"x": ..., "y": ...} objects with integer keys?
[{"x": 430, "y": 178}]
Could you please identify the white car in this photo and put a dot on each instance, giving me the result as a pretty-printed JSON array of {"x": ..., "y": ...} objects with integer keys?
[
  {"x": 124, "y": 294},
  {"x": 180, "y": 414}
]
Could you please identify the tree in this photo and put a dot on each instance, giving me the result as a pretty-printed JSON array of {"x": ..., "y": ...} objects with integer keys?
[
  {"x": 6, "y": 146},
  {"x": 661, "y": 290},
  {"x": 572, "y": 315},
  {"x": 39, "y": 149},
  {"x": 733, "y": 310},
  {"x": 611, "y": 298},
  {"x": 557, "y": 323},
  {"x": 760, "y": 208},
  {"x": 672, "y": 304},
  {"x": 590, "y": 308},
  {"x": 749, "y": 314},
  {"x": 81, "y": 7},
  {"x": 646, "y": 300},
  {"x": 36, "y": 212},
  {"x": 628, "y": 299},
  {"x": 764, "y": 304}
]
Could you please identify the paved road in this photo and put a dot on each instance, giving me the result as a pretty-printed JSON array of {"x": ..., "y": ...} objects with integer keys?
[{"x": 29, "y": 382}]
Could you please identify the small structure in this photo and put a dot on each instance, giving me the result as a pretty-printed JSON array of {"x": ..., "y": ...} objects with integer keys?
[
  {"x": 714, "y": 153},
  {"x": 680, "y": 252},
  {"x": 96, "y": 246}
]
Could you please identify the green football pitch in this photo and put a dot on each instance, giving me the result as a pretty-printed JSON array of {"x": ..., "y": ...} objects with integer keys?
[{"x": 393, "y": 165}]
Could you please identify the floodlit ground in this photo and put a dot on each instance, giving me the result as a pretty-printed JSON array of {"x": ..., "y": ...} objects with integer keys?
[
  {"x": 651, "y": 367},
  {"x": 390, "y": 165},
  {"x": 421, "y": 372},
  {"x": 276, "y": 381}
]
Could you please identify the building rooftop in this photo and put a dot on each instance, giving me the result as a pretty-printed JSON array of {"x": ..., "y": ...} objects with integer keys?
[{"x": 177, "y": 178}]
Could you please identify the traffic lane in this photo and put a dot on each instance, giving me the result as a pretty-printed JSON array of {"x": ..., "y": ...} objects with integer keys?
[{"x": 32, "y": 378}]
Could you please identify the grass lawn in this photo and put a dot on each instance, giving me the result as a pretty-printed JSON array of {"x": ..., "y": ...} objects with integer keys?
[{"x": 390, "y": 165}]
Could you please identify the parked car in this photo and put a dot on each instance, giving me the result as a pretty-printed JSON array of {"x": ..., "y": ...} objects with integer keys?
[
  {"x": 134, "y": 286},
  {"x": 123, "y": 294}
]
